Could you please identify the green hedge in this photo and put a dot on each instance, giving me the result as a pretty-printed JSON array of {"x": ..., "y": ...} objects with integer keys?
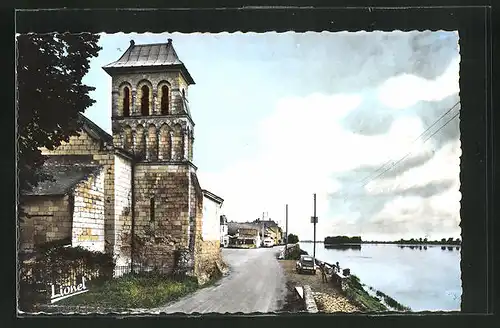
[{"x": 56, "y": 264}]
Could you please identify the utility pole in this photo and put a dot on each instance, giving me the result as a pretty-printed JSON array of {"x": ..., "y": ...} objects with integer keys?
[
  {"x": 314, "y": 220},
  {"x": 286, "y": 226}
]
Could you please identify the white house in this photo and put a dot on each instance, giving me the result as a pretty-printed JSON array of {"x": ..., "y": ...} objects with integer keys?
[
  {"x": 212, "y": 207},
  {"x": 224, "y": 238}
]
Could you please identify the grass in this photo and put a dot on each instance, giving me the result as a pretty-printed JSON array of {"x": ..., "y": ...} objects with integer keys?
[
  {"x": 134, "y": 291},
  {"x": 359, "y": 296},
  {"x": 392, "y": 302}
]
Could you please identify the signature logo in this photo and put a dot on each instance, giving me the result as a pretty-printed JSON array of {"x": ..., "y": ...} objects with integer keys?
[{"x": 66, "y": 291}]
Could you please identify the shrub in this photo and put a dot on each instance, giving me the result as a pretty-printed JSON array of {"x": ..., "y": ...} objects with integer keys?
[
  {"x": 58, "y": 265},
  {"x": 294, "y": 253}
]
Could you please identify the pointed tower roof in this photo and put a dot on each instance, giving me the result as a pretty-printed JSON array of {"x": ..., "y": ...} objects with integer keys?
[{"x": 139, "y": 56}]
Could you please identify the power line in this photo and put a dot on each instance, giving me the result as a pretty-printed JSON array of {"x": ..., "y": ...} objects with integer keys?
[
  {"x": 408, "y": 154},
  {"x": 414, "y": 141}
]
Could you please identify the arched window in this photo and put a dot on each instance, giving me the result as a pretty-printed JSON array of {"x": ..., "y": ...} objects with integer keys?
[
  {"x": 145, "y": 100},
  {"x": 126, "y": 102},
  {"x": 164, "y": 100},
  {"x": 183, "y": 94}
]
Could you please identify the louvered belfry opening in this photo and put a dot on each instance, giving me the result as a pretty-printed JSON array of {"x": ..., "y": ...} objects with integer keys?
[
  {"x": 126, "y": 102},
  {"x": 164, "y": 100},
  {"x": 145, "y": 100}
]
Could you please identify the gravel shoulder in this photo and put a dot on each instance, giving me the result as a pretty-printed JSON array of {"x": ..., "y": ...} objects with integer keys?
[{"x": 327, "y": 297}]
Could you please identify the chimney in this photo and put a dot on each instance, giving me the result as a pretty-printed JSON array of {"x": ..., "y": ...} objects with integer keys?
[
  {"x": 169, "y": 41},
  {"x": 132, "y": 43}
]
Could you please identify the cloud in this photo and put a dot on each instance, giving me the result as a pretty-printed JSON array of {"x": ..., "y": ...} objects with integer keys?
[
  {"x": 406, "y": 90},
  {"x": 364, "y": 60},
  {"x": 335, "y": 144},
  {"x": 302, "y": 154},
  {"x": 327, "y": 111}
]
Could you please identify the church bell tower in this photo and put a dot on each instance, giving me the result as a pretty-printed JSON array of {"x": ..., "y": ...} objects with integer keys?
[{"x": 152, "y": 122}]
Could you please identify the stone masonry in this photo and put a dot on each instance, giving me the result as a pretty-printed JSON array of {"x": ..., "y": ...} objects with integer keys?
[
  {"x": 123, "y": 210},
  {"x": 84, "y": 144},
  {"x": 144, "y": 205},
  {"x": 88, "y": 213},
  {"x": 49, "y": 219},
  {"x": 161, "y": 214}
]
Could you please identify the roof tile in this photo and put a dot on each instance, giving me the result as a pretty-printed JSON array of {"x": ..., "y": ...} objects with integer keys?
[{"x": 158, "y": 54}]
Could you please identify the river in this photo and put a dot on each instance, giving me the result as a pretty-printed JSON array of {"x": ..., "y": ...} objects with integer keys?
[{"x": 423, "y": 279}]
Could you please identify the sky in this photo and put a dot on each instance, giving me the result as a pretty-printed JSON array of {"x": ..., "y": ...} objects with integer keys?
[{"x": 369, "y": 121}]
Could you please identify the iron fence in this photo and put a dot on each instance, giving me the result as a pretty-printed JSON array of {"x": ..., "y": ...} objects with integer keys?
[{"x": 121, "y": 270}]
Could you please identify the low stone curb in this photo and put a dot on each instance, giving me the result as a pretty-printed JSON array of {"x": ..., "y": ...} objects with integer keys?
[{"x": 309, "y": 301}]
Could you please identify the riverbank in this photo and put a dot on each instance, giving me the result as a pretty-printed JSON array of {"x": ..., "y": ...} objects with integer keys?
[
  {"x": 328, "y": 298},
  {"x": 332, "y": 296}
]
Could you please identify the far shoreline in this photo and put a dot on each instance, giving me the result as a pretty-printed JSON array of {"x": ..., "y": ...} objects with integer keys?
[{"x": 384, "y": 243}]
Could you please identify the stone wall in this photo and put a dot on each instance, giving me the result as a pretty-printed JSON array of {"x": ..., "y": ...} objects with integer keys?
[
  {"x": 160, "y": 230},
  {"x": 84, "y": 144},
  {"x": 123, "y": 210},
  {"x": 88, "y": 213},
  {"x": 208, "y": 261},
  {"x": 154, "y": 80},
  {"x": 153, "y": 137},
  {"x": 49, "y": 219}
]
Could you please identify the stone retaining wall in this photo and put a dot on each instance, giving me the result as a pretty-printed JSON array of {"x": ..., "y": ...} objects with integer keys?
[{"x": 309, "y": 301}]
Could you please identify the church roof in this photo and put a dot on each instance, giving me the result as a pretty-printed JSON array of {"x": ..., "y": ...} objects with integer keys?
[
  {"x": 94, "y": 130},
  {"x": 149, "y": 55},
  {"x": 66, "y": 172}
]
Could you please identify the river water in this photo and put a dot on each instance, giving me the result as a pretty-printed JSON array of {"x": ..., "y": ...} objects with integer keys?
[{"x": 423, "y": 279}]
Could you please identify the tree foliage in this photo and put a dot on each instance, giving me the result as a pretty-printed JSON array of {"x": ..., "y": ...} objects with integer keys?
[
  {"x": 342, "y": 240},
  {"x": 293, "y": 239},
  {"x": 50, "y": 95}
]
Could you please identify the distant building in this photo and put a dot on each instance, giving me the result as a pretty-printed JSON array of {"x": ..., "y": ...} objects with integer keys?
[
  {"x": 243, "y": 235},
  {"x": 270, "y": 228},
  {"x": 224, "y": 238}
]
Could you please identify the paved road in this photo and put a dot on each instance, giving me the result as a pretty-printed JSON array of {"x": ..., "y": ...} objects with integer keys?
[{"x": 255, "y": 283}]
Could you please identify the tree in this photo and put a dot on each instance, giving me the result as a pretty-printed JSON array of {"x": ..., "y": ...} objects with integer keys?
[
  {"x": 293, "y": 239},
  {"x": 51, "y": 95}
]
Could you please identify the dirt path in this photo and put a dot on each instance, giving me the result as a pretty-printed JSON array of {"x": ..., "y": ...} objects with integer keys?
[{"x": 327, "y": 297}]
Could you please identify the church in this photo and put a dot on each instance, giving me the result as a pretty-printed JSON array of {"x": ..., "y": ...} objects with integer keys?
[{"x": 133, "y": 194}]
